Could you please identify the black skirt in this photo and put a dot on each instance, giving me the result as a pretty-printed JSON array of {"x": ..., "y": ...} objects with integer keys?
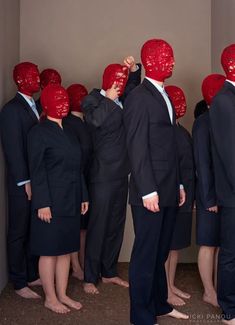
[
  {"x": 207, "y": 228},
  {"x": 182, "y": 232}
]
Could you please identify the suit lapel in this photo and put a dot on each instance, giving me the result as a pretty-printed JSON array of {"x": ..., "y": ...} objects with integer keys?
[{"x": 27, "y": 107}]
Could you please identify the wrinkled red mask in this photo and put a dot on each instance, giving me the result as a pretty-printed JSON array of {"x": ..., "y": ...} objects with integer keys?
[
  {"x": 211, "y": 85},
  {"x": 228, "y": 61},
  {"x": 158, "y": 59},
  {"x": 26, "y": 77},
  {"x": 177, "y": 97},
  {"x": 115, "y": 73},
  {"x": 49, "y": 76},
  {"x": 76, "y": 94},
  {"x": 55, "y": 101}
]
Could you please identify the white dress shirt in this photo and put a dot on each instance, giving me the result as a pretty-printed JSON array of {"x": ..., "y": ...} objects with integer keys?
[{"x": 116, "y": 101}]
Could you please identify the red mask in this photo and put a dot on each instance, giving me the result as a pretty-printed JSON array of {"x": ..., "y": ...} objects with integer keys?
[
  {"x": 211, "y": 86},
  {"x": 49, "y": 76},
  {"x": 177, "y": 97},
  {"x": 228, "y": 61},
  {"x": 55, "y": 101},
  {"x": 26, "y": 77},
  {"x": 115, "y": 73},
  {"x": 76, "y": 94},
  {"x": 158, "y": 59}
]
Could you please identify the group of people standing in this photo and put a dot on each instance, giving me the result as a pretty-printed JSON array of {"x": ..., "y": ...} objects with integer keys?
[{"x": 68, "y": 158}]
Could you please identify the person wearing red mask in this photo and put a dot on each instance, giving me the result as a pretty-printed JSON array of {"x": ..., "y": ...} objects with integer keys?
[
  {"x": 183, "y": 227},
  {"x": 222, "y": 123},
  {"x": 108, "y": 176},
  {"x": 59, "y": 196},
  {"x": 155, "y": 190},
  {"x": 16, "y": 119},
  {"x": 75, "y": 122},
  {"x": 207, "y": 216}
]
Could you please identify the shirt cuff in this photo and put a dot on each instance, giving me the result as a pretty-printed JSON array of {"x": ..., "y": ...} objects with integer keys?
[
  {"x": 23, "y": 183},
  {"x": 149, "y": 195},
  {"x": 181, "y": 187}
]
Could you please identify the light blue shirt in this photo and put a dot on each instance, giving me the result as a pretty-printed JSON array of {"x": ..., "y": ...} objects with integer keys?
[{"x": 116, "y": 101}]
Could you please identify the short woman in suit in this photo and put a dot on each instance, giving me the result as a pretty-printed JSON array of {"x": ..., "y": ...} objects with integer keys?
[{"x": 59, "y": 196}]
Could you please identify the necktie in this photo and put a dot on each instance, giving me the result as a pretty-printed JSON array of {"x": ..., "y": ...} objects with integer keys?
[
  {"x": 117, "y": 101},
  {"x": 34, "y": 109}
]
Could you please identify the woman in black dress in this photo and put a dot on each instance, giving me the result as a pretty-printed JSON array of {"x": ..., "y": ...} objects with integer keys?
[{"x": 58, "y": 197}]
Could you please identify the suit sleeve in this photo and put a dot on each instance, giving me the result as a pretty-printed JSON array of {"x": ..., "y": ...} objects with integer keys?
[
  {"x": 136, "y": 121},
  {"x": 96, "y": 112},
  {"x": 39, "y": 182},
  {"x": 204, "y": 165},
  {"x": 134, "y": 80},
  {"x": 13, "y": 146}
]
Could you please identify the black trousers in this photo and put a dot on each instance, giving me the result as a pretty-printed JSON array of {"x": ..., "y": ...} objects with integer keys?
[
  {"x": 226, "y": 263},
  {"x": 105, "y": 228},
  {"x": 148, "y": 283},
  {"x": 23, "y": 267}
]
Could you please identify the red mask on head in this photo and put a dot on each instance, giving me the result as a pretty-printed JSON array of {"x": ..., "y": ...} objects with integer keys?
[
  {"x": 228, "y": 61},
  {"x": 211, "y": 85},
  {"x": 158, "y": 59},
  {"x": 26, "y": 77},
  {"x": 177, "y": 97},
  {"x": 55, "y": 101},
  {"x": 76, "y": 94},
  {"x": 115, "y": 73},
  {"x": 49, "y": 76}
]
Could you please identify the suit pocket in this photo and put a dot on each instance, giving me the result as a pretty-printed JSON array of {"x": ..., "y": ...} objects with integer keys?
[{"x": 160, "y": 164}]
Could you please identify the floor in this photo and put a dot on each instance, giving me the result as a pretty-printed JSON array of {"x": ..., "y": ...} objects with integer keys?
[{"x": 111, "y": 307}]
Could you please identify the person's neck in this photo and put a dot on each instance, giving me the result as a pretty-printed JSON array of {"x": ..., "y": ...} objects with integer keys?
[
  {"x": 160, "y": 83},
  {"x": 57, "y": 120},
  {"x": 78, "y": 114}
]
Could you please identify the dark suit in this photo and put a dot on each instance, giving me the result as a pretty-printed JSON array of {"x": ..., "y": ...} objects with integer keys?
[
  {"x": 222, "y": 121},
  {"x": 152, "y": 149},
  {"x": 16, "y": 119},
  {"x": 208, "y": 223}
]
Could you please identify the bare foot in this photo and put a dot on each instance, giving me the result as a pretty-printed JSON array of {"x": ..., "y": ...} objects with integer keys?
[
  {"x": 27, "y": 293},
  {"x": 229, "y": 322},
  {"x": 35, "y": 283},
  {"x": 175, "y": 300},
  {"x": 176, "y": 314},
  {"x": 90, "y": 288},
  {"x": 116, "y": 280},
  {"x": 180, "y": 293},
  {"x": 211, "y": 299},
  {"x": 78, "y": 275},
  {"x": 70, "y": 302},
  {"x": 56, "y": 307}
]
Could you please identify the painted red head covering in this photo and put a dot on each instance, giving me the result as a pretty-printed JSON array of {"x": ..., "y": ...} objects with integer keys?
[
  {"x": 228, "y": 61},
  {"x": 115, "y": 73},
  {"x": 55, "y": 101},
  {"x": 178, "y": 99},
  {"x": 158, "y": 59},
  {"x": 211, "y": 85},
  {"x": 49, "y": 76},
  {"x": 26, "y": 77},
  {"x": 76, "y": 94}
]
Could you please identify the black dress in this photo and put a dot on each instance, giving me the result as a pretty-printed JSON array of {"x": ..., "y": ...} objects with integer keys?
[
  {"x": 57, "y": 182},
  {"x": 80, "y": 130}
]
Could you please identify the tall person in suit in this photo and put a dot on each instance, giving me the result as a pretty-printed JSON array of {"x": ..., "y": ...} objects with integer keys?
[
  {"x": 16, "y": 119},
  {"x": 108, "y": 177},
  {"x": 222, "y": 122},
  {"x": 207, "y": 214},
  {"x": 183, "y": 226},
  {"x": 155, "y": 191}
]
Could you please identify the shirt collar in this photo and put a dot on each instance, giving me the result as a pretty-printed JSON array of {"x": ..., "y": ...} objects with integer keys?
[
  {"x": 30, "y": 101},
  {"x": 231, "y": 82},
  {"x": 154, "y": 82},
  {"x": 103, "y": 92}
]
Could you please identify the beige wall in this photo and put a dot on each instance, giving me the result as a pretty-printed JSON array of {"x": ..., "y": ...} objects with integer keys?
[
  {"x": 9, "y": 56},
  {"x": 79, "y": 38}
]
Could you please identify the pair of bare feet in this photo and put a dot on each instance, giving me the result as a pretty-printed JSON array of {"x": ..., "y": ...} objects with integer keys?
[
  {"x": 176, "y": 297},
  {"x": 90, "y": 288},
  {"x": 62, "y": 304},
  {"x": 28, "y": 293}
]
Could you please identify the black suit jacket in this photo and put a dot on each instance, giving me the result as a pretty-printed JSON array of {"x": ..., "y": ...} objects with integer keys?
[
  {"x": 186, "y": 164},
  {"x": 55, "y": 169},
  {"x": 16, "y": 119},
  {"x": 222, "y": 122},
  {"x": 152, "y": 146}
]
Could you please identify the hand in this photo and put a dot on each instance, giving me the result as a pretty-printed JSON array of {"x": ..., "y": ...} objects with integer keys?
[
  {"x": 84, "y": 207},
  {"x": 28, "y": 190},
  {"x": 129, "y": 62},
  {"x": 213, "y": 209},
  {"x": 152, "y": 203},
  {"x": 182, "y": 197},
  {"x": 45, "y": 214},
  {"x": 113, "y": 92}
]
